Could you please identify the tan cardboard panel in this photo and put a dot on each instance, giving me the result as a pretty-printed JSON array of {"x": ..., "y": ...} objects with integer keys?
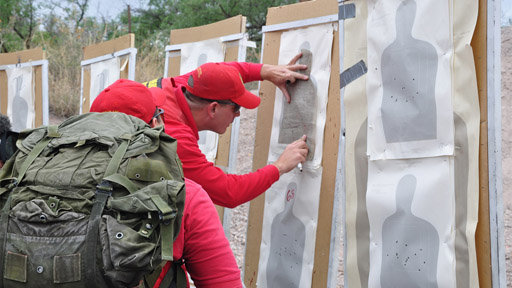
[
  {"x": 223, "y": 149},
  {"x": 22, "y": 56},
  {"x": 233, "y": 25},
  {"x": 86, "y": 89},
  {"x": 124, "y": 62},
  {"x": 174, "y": 66},
  {"x": 483, "y": 242},
  {"x": 38, "y": 95},
  {"x": 220, "y": 212},
  {"x": 111, "y": 46},
  {"x": 300, "y": 11},
  {"x": 329, "y": 164}
]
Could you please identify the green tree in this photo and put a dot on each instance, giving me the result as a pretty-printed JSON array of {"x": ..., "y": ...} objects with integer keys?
[
  {"x": 18, "y": 23},
  {"x": 160, "y": 16}
]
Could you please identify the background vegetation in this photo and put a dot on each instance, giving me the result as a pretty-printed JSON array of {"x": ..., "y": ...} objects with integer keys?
[{"x": 26, "y": 24}]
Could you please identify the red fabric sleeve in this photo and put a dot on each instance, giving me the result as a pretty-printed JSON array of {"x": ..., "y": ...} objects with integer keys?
[
  {"x": 208, "y": 256},
  {"x": 227, "y": 190}
]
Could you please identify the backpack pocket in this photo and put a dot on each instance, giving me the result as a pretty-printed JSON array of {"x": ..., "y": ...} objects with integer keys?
[
  {"x": 126, "y": 253},
  {"x": 44, "y": 248}
]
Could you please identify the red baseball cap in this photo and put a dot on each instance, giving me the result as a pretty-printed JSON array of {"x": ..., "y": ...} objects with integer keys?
[
  {"x": 131, "y": 98},
  {"x": 218, "y": 81}
]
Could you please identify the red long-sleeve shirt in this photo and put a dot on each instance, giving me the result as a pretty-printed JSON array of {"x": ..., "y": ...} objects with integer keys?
[
  {"x": 228, "y": 190},
  {"x": 203, "y": 245}
]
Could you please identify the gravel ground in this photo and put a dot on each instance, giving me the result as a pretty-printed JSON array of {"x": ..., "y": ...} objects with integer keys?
[{"x": 506, "y": 113}]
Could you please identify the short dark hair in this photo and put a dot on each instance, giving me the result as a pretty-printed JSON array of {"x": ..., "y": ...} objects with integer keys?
[
  {"x": 193, "y": 98},
  {"x": 8, "y": 139}
]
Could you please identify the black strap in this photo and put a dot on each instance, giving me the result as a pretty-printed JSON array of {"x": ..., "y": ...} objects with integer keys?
[
  {"x": 103, "y": 191},
  {"x": 175, "y": 276},
  {"x": 3, "y": 148}
]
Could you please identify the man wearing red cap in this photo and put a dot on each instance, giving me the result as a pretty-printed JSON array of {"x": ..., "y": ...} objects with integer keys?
[
  {"x": 201, "y": 242},
  {"x": 209, "y": 98}
]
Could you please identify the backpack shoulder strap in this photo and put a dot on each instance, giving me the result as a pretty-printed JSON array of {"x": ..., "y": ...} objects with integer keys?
[
  {"x": 174, "y": 278},
  {"x": 51, "y": 133}
]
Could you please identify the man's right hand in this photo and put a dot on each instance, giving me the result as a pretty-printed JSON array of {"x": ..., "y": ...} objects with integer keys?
[{"x": 292, "y": 155}]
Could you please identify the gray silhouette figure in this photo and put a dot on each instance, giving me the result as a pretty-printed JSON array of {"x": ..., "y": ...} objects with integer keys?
[
  {"x": 299, "y": 116},
  {"x": 19, "y": 107},
  {"x": 362, "y": 221},
  {"x": 461, "y": 170},
  {"x": 102, "y": 80},
  {"x": 409, "y": 68},
  {"x": 287, "y": 239},
  {"x": 203, "y": 58},
  {"x": 410, "y": 245}
]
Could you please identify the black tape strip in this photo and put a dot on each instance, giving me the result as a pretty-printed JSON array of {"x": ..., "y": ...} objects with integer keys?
[
  {"x": 346, "y": 11},
  {"x": 352, "y": 73}
]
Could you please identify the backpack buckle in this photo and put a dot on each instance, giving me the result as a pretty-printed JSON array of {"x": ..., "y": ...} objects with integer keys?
[{"x": 104, "y": 187}]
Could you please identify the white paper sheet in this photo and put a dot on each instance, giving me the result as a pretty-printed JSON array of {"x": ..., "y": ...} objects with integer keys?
[
  {"x": 194, "y": 55},
  {"x": 103, "y": 74},
  {"x": 411, "y": 209},
  {"x": 409, "y": 81},
  {"x": 20, "y": 98},
  {"x": 317, "y": 39},
  {"x": 289, "y": 230}
]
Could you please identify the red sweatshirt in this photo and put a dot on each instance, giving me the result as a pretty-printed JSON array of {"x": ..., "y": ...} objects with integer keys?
[
  {"x": 203, "y": 245},
  {"x": 228, "y": 190}
]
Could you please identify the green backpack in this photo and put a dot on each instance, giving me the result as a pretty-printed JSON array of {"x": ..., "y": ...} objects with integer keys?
[{"x": 94, "y": 202}]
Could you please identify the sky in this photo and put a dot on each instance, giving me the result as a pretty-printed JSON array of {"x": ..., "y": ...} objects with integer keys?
[
  {"x": 506, "y": 11},
  {"x": 112, "y": 8}
]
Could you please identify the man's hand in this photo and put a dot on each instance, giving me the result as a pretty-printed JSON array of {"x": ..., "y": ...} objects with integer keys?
[
  {"x": 292, "y": 155},
  {"x": 280, "y": 75}
]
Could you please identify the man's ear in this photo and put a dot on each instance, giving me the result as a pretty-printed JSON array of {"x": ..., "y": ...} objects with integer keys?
[{"x": 212, "y": 109}]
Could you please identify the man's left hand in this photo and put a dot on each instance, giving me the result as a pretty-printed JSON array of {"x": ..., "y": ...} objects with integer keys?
[{"x": 282, "y": 74}]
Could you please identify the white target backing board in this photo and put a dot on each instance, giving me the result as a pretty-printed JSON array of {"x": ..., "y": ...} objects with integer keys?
[
  {"x": 306, "y": 113},
  {"x": 103, "y": 64},
  {"x": 411, "y": 201},
  {"x": 103, "y": 74},
  {"x": 24, "y": 88},
  {"x": 289, "y": 230},
  {"x": 410, "y": 112},
  {"x": 20, "y": 107}
]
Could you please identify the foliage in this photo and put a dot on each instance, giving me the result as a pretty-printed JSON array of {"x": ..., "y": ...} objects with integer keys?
[
  {"x": 62, "y": 29},
  {"x": 17, "y": 24},
  {"x": 160, "y": 16}
]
